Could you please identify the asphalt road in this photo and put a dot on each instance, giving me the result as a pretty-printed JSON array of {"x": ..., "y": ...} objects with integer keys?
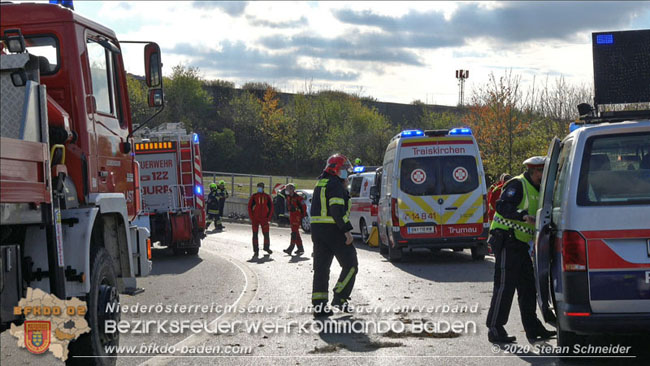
[{"x": 277, "y": 289}]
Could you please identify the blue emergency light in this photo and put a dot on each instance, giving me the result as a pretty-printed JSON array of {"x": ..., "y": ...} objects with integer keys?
[
  {"x": 359, "y": 169},
  {"x": 460, "y": 131},
  {"x": 412, "y": 133},
  {"x": 605, "y": 39},
  {"x": 199, "y": 190},
  {"x": 195, "y": 138},
  {"x": 65, "y": 3},
  {"x": 574, "y": 126}
]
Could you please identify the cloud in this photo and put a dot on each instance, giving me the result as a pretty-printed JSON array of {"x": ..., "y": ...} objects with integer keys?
[
  {"x": 232, "y": 8},
  {"x": 510, "y": 22},
  {"x": 258, "y": 22},
  {"x": 236, "y": 60},
  {"x": 350, "y": 47}
]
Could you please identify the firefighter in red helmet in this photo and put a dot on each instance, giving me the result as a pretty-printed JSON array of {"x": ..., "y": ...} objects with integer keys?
[
  {"x": 331, "y": 235},
  {"x": 260, "y": 211},
  {"x": 297, "y": 210}
]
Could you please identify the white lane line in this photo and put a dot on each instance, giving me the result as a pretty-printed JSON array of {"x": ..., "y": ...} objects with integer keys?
[{"x": 241, "y": 301}]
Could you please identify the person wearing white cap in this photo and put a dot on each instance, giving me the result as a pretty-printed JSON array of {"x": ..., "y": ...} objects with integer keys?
[{"x": 512, "y": 228}]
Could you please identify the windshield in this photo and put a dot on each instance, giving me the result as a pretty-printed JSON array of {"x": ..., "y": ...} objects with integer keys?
[
  {"x": 428, "y": 176},
  {"x": 615, "y": 170}
]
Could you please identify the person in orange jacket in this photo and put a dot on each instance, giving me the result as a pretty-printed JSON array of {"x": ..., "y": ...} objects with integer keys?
[
  {"x": 260, "y": 211},
  {"x": 297, "y": 210}
]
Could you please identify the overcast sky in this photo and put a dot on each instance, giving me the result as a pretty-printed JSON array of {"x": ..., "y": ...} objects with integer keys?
[{"x": 392, "y": 51}]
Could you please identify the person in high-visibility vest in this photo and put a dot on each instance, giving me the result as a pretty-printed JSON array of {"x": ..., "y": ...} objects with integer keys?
[
  {"x": 212, "y": 206},
  {"x": 222, "y": 194},
  {"x": 332, "y": 237},
  {"x": 512, "y": 229},
  {"x": 297, "y": 211},
  {"x": 260, "y": 211}
]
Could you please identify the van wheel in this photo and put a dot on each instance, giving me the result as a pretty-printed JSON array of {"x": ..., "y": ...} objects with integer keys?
[
  {"x": 364, "y": 230},
  {"x": 476, "y": 256},
  {"x": 394, "y": 254},
  {"x": 103, "y": 291}
]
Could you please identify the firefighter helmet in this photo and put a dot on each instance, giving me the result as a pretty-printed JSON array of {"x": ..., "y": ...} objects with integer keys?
[
  {"x": 337, "y": 163},
  {"x": 213, "y": 186},
  {"x": 222, "y": 182}
]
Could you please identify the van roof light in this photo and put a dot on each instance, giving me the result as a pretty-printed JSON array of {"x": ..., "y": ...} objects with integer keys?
[
  {"x": 359, "y": 169},
  {"x": 412, "y": 133},
  {"x": 460, "y": 131}
]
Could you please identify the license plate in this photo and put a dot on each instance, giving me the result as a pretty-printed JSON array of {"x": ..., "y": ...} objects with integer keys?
[{"x": 421, "y": 230}]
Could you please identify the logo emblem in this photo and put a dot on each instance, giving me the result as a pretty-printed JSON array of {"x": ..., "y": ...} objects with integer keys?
[
  {"x": 460, "y": 174},
  {"x": 418, "y": 176},
  {"x": 37, "y": 336}
]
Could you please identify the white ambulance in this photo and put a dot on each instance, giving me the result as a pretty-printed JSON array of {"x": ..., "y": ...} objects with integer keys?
[
  {"x": 363, "y": 213},
  {"x": 433, "y": 193}
]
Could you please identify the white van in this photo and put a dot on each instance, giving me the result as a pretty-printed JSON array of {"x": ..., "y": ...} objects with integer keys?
[
  {"x": 433, "y": 193},
  {"x": 363, "y": 213},
  {"x": 592, "y": 250}
]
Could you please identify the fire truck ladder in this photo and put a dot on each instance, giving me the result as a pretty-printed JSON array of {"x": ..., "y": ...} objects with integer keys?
[{"x": 186, "y": 169}]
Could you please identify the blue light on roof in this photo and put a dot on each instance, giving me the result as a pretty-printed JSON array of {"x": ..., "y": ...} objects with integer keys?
[
  {"x": 195, "y": 138},
  {"x": 65, "y": 3},
  {"x": 574, "y": 126},
  {"x": 605, "y": 39},
  {"x": 460, "y": 131},
  {"x": 412, "y": 133},
  {"x": 199, "y": 190},
  {"x": 359, "y": 169}
]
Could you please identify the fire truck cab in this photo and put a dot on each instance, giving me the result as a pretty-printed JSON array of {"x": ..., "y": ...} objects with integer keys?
[{"x": 68, "y": 180}]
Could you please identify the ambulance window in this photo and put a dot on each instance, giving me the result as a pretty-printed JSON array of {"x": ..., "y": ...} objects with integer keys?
[
  {"x": 563, "y": 167},
  {"x": 458, "y": 174},
  {"x": 608, "y": 176},
  {"x": 355, "y": 186},
  {"x": 418, "y": 176}
]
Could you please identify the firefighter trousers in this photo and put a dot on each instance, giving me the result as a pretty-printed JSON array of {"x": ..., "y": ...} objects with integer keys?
[
  {"x": 513, "y": 270},
  {"x": 264, "y": 223},
  {"x": 329, "y": 242},
  {"x": 296, "y": 240}
]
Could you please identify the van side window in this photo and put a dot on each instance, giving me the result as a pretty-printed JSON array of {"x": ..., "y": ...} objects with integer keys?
[
  {"x": 355, "y": 187},
  {"x": 564, "y": 167},
  {"x": 614, "y": 170}
]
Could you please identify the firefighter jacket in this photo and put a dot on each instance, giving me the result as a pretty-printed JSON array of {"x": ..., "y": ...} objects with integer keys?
[
  {"x": 331, "y": 203},
  {"x": 296, "y": 206},
  {"x": 260, "y": 206}
]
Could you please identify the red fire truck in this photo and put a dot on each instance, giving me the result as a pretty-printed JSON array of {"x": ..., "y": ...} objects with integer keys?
[
  {"x": 172, "y": 186},
  {"x": 69, "y": 193}
]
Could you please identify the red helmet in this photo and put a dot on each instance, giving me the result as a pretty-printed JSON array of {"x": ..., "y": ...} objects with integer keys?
[{"x": 336, "y": 163}]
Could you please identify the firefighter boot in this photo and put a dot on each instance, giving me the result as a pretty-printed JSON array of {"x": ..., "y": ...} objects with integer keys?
[
  {"x": 321, "y": 310},
  {"x": 341, "y": 304},
  {"x": 267, "y": 243},
  {"x": 298, "y": 241},
  {"x": 292, "y": 245}
]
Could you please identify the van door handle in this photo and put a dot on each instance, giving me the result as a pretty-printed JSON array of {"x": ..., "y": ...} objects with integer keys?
[{"x": 451, "y": 208}]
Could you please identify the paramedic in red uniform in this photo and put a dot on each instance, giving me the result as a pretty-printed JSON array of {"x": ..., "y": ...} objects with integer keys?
[
  {"x": 260, "y": 211},
  {"x": 297, "y": 211}
]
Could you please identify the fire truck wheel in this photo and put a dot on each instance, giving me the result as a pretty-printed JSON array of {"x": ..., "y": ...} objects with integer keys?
[
  {"x": 193, "y": 251},
  {"x": 103, "y": 291}
]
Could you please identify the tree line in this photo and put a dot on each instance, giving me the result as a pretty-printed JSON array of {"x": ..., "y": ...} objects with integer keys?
[{"x": 257, "y": 129}]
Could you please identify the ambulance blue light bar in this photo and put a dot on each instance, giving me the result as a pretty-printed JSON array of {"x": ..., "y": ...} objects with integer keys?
[
  {"x": 198, "y": 190},
  {"x": 574, "y": 126},
  {"x": 605, "y": 39},
  {"x": 65, "y": 3},
  {"x": 359, "y": 169},
  {"x": 460, "y": 131},
  {"x": 412, "y": 133},
  {"x": 195, "y": 138}
]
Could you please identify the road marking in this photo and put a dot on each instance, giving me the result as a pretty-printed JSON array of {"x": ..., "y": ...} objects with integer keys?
[{"x": 243, "y": 300}]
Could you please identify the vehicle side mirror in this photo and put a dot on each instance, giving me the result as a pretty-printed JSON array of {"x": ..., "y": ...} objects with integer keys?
[
  {"x": 152, "y": 65},
  {"x": 374, "y": 194},
  {"x": 156, "y": 98}
]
